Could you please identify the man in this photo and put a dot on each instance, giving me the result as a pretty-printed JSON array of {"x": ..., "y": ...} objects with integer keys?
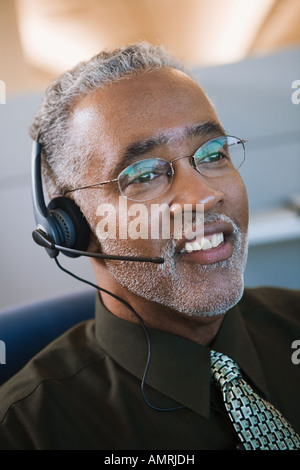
[{"x": 131, "y": 125}]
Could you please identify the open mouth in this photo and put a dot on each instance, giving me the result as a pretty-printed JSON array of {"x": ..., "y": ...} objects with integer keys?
[
  {"x": 214, "y": 246},
  {"x": 204, "y": 243}
]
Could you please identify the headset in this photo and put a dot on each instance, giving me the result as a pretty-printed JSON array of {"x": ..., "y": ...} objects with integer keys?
[{"x": 61, "y": 226}]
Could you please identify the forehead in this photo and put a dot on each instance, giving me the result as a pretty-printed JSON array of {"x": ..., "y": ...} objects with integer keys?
[{"x": 149, "y": 104}]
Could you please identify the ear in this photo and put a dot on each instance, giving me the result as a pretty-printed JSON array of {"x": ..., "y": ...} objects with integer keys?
[{"x": 94, "y": 244}]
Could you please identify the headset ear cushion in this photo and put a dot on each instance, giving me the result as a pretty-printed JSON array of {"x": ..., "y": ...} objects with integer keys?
[{"x": 72, "y": 223}]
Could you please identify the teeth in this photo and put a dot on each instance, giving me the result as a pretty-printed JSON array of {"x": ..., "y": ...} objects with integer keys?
[
  {"x": 188, "y": 247},
  {"x": 204, "y": 243},
  {"x": 215, "y": 240},
  {"x": 196, "y": 246}
]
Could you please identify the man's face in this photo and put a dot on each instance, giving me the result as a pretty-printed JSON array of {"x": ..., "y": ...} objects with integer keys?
[{"x": 165, "y": 106}]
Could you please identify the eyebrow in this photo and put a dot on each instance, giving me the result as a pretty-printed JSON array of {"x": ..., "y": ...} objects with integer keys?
[
  {"x": 141, "y": 147},
  {"x": 206, "y": 128}
]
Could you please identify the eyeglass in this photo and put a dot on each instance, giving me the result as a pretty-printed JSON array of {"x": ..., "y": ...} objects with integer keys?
[{"x": 147, "y": 179}]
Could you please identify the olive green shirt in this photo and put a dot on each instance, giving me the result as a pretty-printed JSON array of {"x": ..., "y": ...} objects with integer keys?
[{"x": 84, "y": 390}]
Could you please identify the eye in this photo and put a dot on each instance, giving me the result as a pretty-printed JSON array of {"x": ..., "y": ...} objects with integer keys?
[
  {"x": 145, "y": 172},
  {"x": 212, "y": 158},
  {"x": 143, "y": 178},
  {"x": 214, "y": 152}
]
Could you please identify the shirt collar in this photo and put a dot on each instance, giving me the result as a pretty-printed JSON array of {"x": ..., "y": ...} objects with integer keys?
[{"x": 179, "y": 368}]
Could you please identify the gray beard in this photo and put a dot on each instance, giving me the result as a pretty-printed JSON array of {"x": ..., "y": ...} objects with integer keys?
[{"x": 174, "y": 288}]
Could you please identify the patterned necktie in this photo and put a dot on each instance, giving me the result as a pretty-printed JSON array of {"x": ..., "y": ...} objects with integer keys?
[{"x": 258, "y": 424}]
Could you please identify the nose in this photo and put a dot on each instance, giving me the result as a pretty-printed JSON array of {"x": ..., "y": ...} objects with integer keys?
[{"x": 190, "y": 187}]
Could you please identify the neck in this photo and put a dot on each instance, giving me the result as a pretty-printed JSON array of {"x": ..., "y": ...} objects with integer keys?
[{"x": 201, "y": 329}]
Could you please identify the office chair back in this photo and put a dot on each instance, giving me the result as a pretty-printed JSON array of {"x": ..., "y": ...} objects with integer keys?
[{"x": 28, "y": 328}]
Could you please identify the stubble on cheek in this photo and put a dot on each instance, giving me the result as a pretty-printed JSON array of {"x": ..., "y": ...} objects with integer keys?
[{"x": 189, "y": 289}]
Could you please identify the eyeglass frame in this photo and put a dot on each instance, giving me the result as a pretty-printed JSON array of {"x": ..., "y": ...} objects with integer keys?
[{"x": 193, "y": 164}]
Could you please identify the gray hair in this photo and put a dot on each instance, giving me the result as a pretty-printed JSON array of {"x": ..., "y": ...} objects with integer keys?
[{"x": 65, "y": 155}]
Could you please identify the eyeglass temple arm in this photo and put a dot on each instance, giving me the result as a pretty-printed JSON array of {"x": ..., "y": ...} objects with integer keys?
[
  {"x": 89, "y": 186},
  {"x": 241, "y": 141}
]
